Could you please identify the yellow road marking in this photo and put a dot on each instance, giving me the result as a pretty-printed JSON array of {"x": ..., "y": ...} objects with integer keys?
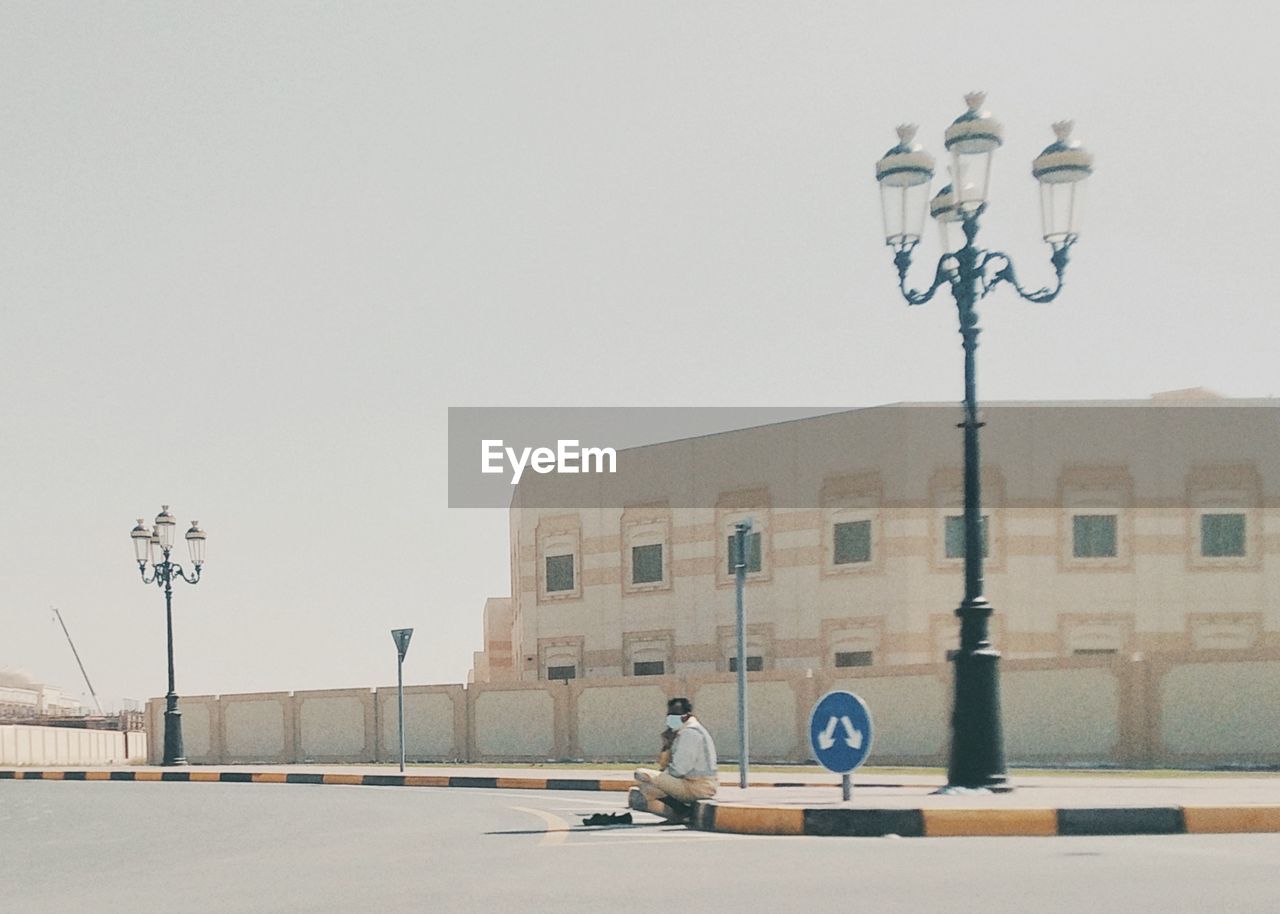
[
  {"x": 1226, "y": 819},
  {"x": 557, "y": 828},
  {"x": 344, "y": 779},
  {"x": 667, "y": 839},
  {"x": 990, "y": 822},
  {"x": 522, "y": 783},
  {"x": 760, "y": 820},
  {"x": 426, "y": 780},
  {"x": 268, "y": 777}
]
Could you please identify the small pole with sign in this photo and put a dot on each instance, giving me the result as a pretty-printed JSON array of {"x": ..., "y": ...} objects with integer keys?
[
  {"x": 741, "y": 532},
  {"x": 401, "y": 637},
  {"x": 840, "y": 735}
]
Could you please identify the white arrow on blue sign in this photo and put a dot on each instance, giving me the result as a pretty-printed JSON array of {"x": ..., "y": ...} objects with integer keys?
[{"x": 840, "y": 731}]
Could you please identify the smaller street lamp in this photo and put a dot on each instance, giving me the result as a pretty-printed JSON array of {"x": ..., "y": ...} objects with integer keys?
[
  {"x": 1061, "y": 170},
  {"x": 904, "y": 174},
  {"x": 146, "y": 542},
  {"x": 971, "y": 139},
  {"x": 946, "y": 213}
]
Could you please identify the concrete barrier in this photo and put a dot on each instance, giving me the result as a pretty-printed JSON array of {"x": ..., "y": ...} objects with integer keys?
[
  {"x": 1213, "y": 709},
  {"x": 21, "y": 744},
  {"x": 258, "y": 728},
  {"x": 619, "y": 721},
  {"x": 772, "y": 722},
  {"x": 435, "y": 724},
  {"x": 1190, "y": 709},
  {"x": 909, "y": 714},
  {"x": 335, "y": 725},
  {"x": 1062, "y": 716},
  {"x": 517, "y": 723}
]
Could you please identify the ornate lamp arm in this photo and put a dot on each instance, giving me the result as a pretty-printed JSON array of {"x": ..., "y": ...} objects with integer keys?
[
  {"x": 178, "y": 572},
  {"x": 1006, "y": 274},
  {"x": 902, "y": 260},
  {"x": 163, "y": 573}
]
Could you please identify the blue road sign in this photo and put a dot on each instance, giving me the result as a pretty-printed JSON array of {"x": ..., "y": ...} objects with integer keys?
[{"x": 840, "y": 731}]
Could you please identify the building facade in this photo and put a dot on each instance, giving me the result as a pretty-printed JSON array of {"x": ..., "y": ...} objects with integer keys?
[
  {"x": 23, "y": 698},
  {"x": 1134, "y": 527}
]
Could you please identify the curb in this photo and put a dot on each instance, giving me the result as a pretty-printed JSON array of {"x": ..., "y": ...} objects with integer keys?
[
  {"x": 302, "y": 777},
  {"x": 948, "y": 823},
  {"x": 732, "y": 818},
  {"x": 363, "y": 780}
]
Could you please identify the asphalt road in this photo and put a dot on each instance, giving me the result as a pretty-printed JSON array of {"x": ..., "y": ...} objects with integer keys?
[{"x": 143, "y": 847}]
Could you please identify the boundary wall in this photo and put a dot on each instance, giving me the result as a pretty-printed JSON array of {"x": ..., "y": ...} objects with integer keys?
[
  {"x": 1198, "y": 709},
  {"x": 21, "y": 744}
]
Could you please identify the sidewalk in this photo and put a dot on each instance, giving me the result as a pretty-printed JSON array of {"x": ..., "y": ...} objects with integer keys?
[
  {"x": 807, "y": 803},
  {"x": 1083, "y": 805},
  {"x": 539, "y": 778}
]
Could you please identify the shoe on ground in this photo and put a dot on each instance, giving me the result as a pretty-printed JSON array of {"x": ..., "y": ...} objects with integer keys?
[{"x": 680, "y": 812}]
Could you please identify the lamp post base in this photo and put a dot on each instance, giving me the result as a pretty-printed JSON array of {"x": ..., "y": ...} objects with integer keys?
[
  {"x": 977, "y": 737},
  {"x": 173, "y": 751}
]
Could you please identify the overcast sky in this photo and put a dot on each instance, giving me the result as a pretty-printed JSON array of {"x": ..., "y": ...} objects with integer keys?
[{"x": 250, "y": 253}]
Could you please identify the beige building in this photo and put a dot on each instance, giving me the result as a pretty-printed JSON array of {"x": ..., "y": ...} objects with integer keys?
[
  {"x": 1136, "y": 527},
  {"x": 21, "y": 697}
]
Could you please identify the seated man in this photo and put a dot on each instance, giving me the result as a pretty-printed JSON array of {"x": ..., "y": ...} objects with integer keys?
[{"x": 689, "y": 775}]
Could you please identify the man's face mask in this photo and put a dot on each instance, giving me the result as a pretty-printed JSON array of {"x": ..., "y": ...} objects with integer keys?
[{"x": 674, "y": 722}]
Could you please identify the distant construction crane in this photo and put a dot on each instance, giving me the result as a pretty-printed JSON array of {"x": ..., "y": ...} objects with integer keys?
[{"x": 80, "y": 663}]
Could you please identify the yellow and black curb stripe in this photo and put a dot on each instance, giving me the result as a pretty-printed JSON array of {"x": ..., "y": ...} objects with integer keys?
[
  {"x": 773, "y": 820},
  {"x": 937, "y": 823},
  {"x": 306, "y": 777},
  {"x": 365, "y": 780}
]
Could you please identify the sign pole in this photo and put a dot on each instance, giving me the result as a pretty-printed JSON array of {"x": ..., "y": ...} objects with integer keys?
[
  {"x": 400, "y": 703},
  {"x": 840, "y": 735},
  {"x": 741, "y": 531},
  {"x": 401, "y": 637}
]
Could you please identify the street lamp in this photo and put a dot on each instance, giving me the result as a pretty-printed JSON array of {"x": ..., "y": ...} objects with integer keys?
[
  {"x": 904, "y": 174},
  {"x": 145, "y": 543}
]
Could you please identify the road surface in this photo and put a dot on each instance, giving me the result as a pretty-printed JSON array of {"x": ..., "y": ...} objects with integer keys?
[{"x": 177, "y": 847}]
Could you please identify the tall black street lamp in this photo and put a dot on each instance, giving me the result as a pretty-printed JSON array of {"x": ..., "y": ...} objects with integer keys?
[
  {"x": 904, "y": 174},
  {"x": 145, "y": 543}
]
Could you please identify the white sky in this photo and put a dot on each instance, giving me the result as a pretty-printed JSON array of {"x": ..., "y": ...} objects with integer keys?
[{"x": 250, "y": 253}]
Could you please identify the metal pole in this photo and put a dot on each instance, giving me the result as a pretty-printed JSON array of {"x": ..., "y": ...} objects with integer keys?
[
  {"x": 400, "y": 703},
  {"x": 740, "y": 580},
  {"x": 173, "y": 751},
  {"x": 977, "y": 740},
  {"x": 846, "y": 786},
  {"x": 79, "y": 662}
]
